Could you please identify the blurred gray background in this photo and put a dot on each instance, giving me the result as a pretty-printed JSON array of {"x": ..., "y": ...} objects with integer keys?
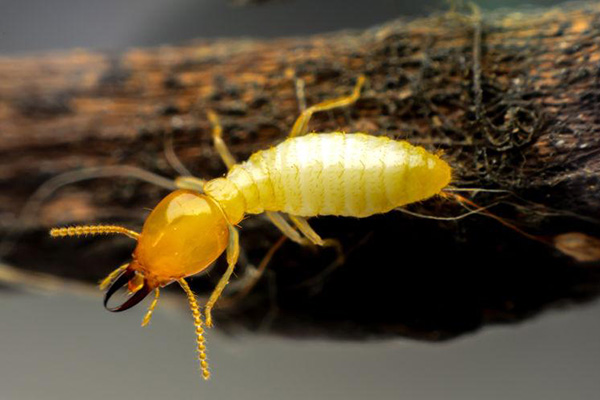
[
  {"x": 68, "y": 347},
  {"x": 34, "y": 25}
]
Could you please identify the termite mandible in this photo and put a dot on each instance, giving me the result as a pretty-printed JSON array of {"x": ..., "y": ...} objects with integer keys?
[{"x": 307, "y": 175}]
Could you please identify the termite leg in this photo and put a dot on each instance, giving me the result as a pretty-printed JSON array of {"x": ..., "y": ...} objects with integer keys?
[
  {"x": 171, "y": 156},
  {"x": 279, "y": 221},
  {"x": 299, "y": 85},
  {"x": 233, "y": 249},
  {"x": 301, "y": 125},
  {"x": 233, "y": 253},
  {"x": 288, "y": 233},
  {"x": 190, "y": 182},
  {"x": 148, "y": 315},
  {"x": 258, "y": 272},
  {"x": 229, "y": 160},
  {"x": 304, "y": 227},
  {"x": 310, "y": 236},
  {"x": 217, "y": 136}
]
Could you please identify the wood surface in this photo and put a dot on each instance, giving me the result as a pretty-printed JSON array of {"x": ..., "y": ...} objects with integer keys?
[{"x": 512, "y": 99}]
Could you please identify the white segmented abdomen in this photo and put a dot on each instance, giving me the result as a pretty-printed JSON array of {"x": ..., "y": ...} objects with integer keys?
[{"x": 338, "y": 174}]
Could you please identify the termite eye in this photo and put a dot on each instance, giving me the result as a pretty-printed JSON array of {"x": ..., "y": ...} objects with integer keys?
[{"x": 132, "y": 280}]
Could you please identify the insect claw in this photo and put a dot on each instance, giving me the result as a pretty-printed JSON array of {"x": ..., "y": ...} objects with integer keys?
[
  {"x": 121, "y": 281},
  {"x": 209, "y": 321}
]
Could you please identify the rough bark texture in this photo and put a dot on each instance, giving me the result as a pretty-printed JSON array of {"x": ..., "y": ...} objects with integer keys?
[{"x": 513, "y": 101}]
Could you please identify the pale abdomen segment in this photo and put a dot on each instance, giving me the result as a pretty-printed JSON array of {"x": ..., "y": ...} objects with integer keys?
[{"x": 338, "y": 174}]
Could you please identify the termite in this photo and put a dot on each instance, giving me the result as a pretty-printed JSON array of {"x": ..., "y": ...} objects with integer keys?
[{"x": 307, "y": 175}]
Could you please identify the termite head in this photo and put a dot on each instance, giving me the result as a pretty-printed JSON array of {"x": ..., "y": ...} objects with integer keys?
[{"x": 182, "y": 236}]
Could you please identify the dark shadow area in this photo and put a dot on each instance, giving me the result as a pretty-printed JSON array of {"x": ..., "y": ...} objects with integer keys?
[{"x": 404, "y": 276}]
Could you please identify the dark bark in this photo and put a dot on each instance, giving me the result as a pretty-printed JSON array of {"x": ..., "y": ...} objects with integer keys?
[{"x": 513, "y": 101}]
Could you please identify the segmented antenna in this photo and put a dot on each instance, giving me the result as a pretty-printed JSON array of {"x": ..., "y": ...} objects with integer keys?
[
  {"x": 148, "y": 315},
  {"x": 199, "y": 329},
  {"x": 84, "y": 230}
]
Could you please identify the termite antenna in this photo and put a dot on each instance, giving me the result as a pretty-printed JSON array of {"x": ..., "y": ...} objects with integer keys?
[
  {"x": 85, "y": 230},
  {"x": 199, "y": 329},
  {"x": 148, "y": 315}
]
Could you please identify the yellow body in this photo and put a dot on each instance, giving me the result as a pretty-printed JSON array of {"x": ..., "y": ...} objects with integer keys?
[
  {"x": 354, "y": 175},
  {"x": 307, "y": 175},
  {"x": 182, "y": 236}
]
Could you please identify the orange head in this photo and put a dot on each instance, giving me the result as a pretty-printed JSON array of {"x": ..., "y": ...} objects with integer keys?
[{"x": 182, "y": 236}]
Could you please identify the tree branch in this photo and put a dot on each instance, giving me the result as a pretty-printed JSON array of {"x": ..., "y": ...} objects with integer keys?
[{"x": 512, "y": 100}]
